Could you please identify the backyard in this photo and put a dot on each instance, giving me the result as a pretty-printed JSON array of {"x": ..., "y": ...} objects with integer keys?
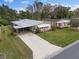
[
  {"x": 12, "y": 46},
  {"x": 60, "y": 37}
]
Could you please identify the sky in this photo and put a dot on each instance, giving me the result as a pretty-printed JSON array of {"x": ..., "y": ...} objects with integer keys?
[{"x": 22, "y": 4}]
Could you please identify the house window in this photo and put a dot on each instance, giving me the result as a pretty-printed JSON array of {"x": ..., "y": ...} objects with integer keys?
[{"x": 60, "y": 24}]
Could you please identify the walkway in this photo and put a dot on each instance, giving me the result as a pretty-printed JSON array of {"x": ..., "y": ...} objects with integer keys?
[{"x": 40, "y": 47}]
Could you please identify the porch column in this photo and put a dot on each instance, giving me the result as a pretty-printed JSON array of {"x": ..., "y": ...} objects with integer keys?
[
  {"x": 23, "y": 30},
  {"x": 17, "y": 30}
]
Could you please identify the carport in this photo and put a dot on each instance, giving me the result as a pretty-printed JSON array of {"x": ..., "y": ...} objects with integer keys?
[{"x": 23, "y": 25}]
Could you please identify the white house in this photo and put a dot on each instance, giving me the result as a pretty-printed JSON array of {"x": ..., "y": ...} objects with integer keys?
[
  {"x": 44, "y": 27},
  {"x": 25, "y": 25},
  {"x": 63, "y": 23}
]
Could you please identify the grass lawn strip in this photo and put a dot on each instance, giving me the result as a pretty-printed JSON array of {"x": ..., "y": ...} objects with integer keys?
[
  {"x": 60, "y": 37},
  {"x": 13, "y": 47}
]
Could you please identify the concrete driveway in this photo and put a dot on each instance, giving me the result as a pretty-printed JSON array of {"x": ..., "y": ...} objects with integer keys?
[{"x": 40, "y": 47}]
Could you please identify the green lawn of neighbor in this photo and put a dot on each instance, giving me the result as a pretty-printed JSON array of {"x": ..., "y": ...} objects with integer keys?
[
  {"x": 60, "y": 37},
  {"x": 12, "y": 46}
]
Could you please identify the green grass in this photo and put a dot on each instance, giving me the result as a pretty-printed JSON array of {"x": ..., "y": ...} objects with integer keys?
[
  {"x": 13, "y": 47},
  {"x": 60, "y": 37}
]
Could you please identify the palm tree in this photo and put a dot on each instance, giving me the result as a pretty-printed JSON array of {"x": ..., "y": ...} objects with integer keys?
[
  {"x": 38, "y": 7},
  {"x": 30, "y": 9}
]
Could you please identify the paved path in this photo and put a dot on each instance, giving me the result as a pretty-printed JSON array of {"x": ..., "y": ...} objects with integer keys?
[{"x": 40, "y": 47}]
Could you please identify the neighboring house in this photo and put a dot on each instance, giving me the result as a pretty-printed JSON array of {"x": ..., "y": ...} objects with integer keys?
[
  {"x": 44, "y": 27},
  {"x": 63, "y": 23},
  {"x": 25, "y": 25},
  {"x": 69, "y": 52}
]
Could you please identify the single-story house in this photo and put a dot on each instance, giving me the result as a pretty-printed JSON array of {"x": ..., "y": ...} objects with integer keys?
[
  {"x": 63, "y": 23},
  {"x": 25, "y": 25},
  {"x": 44, "y": 27}
]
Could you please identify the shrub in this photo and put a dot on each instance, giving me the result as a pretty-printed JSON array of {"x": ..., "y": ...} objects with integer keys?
[
  {"x": 3, "y": 21},
  {"x": 37, "y": 30},
  {"x": 53, "y": 28},
  {"x": 74, "y": 22}
]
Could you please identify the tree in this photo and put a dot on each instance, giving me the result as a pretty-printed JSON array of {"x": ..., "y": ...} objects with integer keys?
[
  {"x": 30, "y": 10},
  {"x": 76, "y": 13},
  {"x": 61, "y": 12},
  {"x": 25, "y": 15},
  {"x": 7, "y": 14},
  {"x": 35, "y": 9},
  {"x": 3, "y": 21},
  {"x": 75, "y": 22},
  {"x": 71, "y": 14},
  {"x": 46, "y": 11},
  {"x": 38, "y": 7}
]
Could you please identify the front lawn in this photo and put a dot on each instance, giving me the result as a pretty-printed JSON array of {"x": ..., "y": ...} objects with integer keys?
[
  {"x": 12, "y": 46},
  {"x": 60, "y": 37}
]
